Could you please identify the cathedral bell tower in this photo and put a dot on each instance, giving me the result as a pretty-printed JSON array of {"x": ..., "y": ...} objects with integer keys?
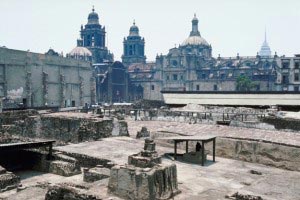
[
  {"x": 134, "y": 47},
  {"x": 93, "y": 38}
]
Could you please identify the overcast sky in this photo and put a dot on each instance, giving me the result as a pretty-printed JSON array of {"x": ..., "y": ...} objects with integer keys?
[{"x": 230, "y": 26}]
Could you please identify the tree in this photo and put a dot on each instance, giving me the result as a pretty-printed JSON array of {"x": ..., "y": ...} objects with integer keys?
[{"x": 244, "y": 83}]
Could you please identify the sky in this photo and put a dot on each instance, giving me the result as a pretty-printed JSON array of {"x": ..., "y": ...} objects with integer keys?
[{"x": 230, "y": 26}]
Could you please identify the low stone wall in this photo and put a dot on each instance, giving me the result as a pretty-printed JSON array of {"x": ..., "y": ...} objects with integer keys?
[
  {"x": 249, "y": 150},
  {"x": 272, "y": 154},
  {"x": 283, "y": 123},
  {"x": 64, "y": 127},
  {"x": 89, "y": 161},
  {"x": 9, "y": 117}
]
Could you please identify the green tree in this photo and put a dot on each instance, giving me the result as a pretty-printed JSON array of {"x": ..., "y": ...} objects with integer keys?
[{"x": 244, "y": 83}]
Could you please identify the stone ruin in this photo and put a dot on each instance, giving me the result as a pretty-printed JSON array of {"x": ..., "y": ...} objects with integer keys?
[
  {"x": 143, "y": 133},
  {"x": 64, "y": 127},
  {"x": 68, "y": 191},
  {"x": 239, "y": 196},
  {"x": 144, "y": 177},
  {"x": 8, "y": 180},
  {"x": 95, "y": 174}
]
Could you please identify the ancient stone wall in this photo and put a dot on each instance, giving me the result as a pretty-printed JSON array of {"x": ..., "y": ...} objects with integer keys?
[
  {"x": 283, "y": 123},
  {"x": 276, "y": 155},
  {"x": 28, "y": 79},
  {"x": 63, "y": 127}
]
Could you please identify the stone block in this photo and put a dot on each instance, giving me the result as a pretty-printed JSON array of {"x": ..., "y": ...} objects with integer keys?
[
  {"x": 194, "y": 157},
  {"x": 159, "y": 182},
  {"x": 64, "y": 168},
  {"x": 95, "y": 174},
  {"x": 144, "y": 162},
  {"x": 143, "y": 133}
]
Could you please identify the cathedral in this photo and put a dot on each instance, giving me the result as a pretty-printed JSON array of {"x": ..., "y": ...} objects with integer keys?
[
  {"x": 188, "y": 67},
  {"x": 191, "y": 67}
]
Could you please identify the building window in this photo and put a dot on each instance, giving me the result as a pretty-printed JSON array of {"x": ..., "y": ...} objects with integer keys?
[
  {"x": 152, "y": 87},
  {"x": 297, "y": 65},
  {"x": 168, "y": 77},
  {"x": 203, "y": 76},
  {"x": 284, "y": 79},
  {"x": 257, "y": 87},
  {"x": 197, "y": 87},
  {"x": 175, "y": 77},
  {"x": 222, "y": 76},
  {"x": 285, "y": 65},
  {"x": 215, "y": 87},
  {"x": 174, "y": 62},
  {"x": 296, "y": 77},
  {"x": 296, "y": 88},
  {"x": 181, "y": 77}
]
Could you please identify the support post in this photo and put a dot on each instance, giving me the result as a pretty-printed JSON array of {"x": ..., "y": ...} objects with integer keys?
[
  {"x": 175, "y": 150},
  {"x": 214, "y": 150},
  {"x": 187, "y": 147},
  {"x": 203, "y": 150},
  {"x": 50, "y": 151}
]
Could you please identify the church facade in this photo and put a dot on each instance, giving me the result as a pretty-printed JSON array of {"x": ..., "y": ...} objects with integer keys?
[{"x": 191, "y": 67}]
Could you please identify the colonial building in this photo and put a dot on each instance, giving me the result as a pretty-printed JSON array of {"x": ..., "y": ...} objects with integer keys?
[
  {"x": 134, "y": 47},
  {"x": 92, "y": 37},
  {"x": 191, "y": 67},
  {"x": 288, "y": 73},
  {"x": 37, "y": 80}
]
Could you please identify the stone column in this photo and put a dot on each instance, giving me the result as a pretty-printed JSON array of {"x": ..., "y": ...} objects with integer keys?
[
  {"x": 81, "y": 91},
  {"x": 45, "y": 89},
  {"x": 93, "y": 90},
  {"x": 109, "y": 85},
  {"x": 28, "y": 89},
  {"x": 62, "y": 90}
]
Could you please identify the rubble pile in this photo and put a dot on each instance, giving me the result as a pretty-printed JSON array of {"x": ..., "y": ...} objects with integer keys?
[
  {"x": 8, "y": 180},
  {"x": 66, "y": 191}
]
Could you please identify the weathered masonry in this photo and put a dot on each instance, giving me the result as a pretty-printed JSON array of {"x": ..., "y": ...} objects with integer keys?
[{"x": 36, "y": 80}]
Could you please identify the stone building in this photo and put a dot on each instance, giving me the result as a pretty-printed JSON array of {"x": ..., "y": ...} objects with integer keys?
[
  {"x": 191, "y": 67},
  {"x": 288, "y": 73},
  {"x": 37, "y": 80},
  {"x": 92, "y": 36},
  {"x": 134, "y": 47}
]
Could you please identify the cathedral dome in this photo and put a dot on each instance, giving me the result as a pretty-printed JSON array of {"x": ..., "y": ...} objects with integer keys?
[
  {"x": 195, "y": 37},
  {"x": 195, "y": 40},
  {"x": 93, "y": 17},
  {"x": 80, "y": 51},
  {"x": 134, "y": 30}
]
